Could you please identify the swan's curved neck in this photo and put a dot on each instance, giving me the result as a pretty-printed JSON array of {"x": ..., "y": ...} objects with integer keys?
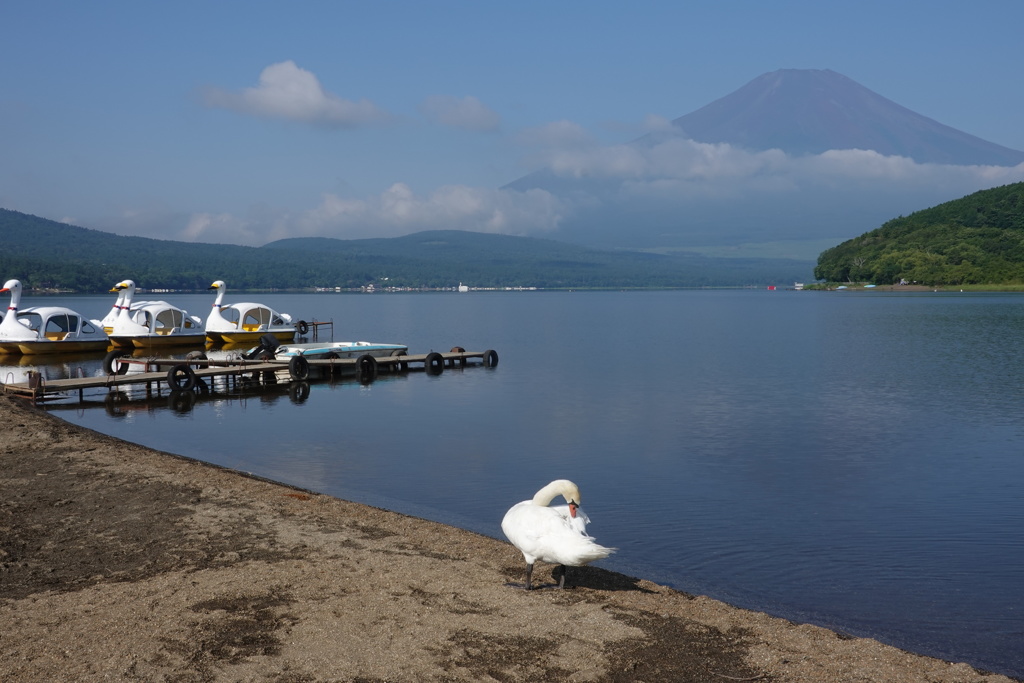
[
  {"x": 15, "y": 299},
  {"x": 560, "y": 487},
  {"x": 10, "y": 323}
]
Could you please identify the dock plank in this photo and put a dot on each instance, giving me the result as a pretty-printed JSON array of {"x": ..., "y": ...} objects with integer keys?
[{"x": 204, "y": 368}]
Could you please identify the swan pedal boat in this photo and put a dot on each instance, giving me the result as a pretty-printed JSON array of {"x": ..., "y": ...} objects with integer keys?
[
  {"x": 159, "y": 324},
  {"x": 47, "y": 329},
  {"x": 150, "y": 324},
  {"x": 245, "y": 322},
  {"x": 55, "y": 329}
]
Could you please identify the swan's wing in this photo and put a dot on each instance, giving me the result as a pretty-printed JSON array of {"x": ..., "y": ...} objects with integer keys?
[
  {"x": 520, "y": 527},
  {"x": 578, "y": 523}
]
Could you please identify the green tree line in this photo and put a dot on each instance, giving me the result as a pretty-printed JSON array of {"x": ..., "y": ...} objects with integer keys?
[{"x": 978, "y": 239}]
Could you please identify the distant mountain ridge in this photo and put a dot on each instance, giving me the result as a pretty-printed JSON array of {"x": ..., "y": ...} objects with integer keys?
[
  {"x": 46, "y": 254},
  {"x": 810, "y": 111}
]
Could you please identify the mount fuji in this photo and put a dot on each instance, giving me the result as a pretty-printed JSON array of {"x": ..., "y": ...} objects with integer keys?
[{"x": 799, "y": 156}]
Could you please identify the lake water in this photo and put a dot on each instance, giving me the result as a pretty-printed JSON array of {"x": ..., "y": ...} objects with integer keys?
[{"x": 847, "y": 459}]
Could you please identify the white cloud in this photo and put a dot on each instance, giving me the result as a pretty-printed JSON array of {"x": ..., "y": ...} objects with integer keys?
[
  {"x": 710, "y": 189},
  {"x": 674, "y": 158},
  {"x": 398, "y": 211},
  {"x": 160, "y": 222},
  {"x": 678, "y": 176},
  {"x": 653, "y": 123},
  {"x": 668, "y": 189},
  {"x": 468, "y": 113},
  {"x": 220, "y": 228},
  {"x": 288, "y": 92}
]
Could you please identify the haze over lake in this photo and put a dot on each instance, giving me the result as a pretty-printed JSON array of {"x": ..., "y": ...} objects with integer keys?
[{"x": 848, "y": 459}]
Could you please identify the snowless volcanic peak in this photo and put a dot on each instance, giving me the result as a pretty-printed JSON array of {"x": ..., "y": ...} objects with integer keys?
[{"x": 810, "y": 111}]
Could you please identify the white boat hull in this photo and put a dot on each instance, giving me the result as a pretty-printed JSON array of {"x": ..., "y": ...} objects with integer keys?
[
  {"x": 148, "y": 341},
  {"x": 41, "y": 347},
  {"x": 341, "y": 350},
  {"x": 247, "y": 336}
]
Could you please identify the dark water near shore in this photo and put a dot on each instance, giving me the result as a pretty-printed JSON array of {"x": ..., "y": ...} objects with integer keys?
[{"x": 849, "y": 459}]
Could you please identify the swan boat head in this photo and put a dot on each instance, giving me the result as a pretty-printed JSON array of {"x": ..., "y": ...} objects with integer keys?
[
  {"x": 14, "y": 288},
  {"x": 13, "y": 329},
  {"x": 126, "y": 286}
]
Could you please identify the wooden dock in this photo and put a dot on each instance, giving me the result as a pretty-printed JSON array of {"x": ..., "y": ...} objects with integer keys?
[{"x": 192, "y": 374}]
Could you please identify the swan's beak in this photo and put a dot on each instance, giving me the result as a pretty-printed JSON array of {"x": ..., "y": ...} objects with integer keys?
[{"x": 572, "y": 509}]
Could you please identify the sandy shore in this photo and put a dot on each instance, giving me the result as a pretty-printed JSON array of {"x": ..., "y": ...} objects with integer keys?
[{"x": 120, "y": 563}]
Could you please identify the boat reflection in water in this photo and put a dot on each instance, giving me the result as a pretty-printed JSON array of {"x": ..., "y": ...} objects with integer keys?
[
  {"x": 17, "y": 368},
  {"x": 149, "y": 394}
]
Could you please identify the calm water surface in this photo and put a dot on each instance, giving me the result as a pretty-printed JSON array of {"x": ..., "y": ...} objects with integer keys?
[{"x": 852, "y": 460}]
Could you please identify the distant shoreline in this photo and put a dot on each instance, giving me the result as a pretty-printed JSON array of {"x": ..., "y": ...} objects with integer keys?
[{"x": 1009, "y": 289}]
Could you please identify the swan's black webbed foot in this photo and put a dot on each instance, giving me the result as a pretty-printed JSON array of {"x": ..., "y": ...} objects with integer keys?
[{"x": 561, "y": 578}]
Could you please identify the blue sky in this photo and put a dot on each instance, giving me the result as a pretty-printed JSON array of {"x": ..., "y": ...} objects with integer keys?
[{"x": 243, "y": 122}]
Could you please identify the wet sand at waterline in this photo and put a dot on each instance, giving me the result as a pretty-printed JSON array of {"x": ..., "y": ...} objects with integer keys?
[{"x": 121, "y": 563}]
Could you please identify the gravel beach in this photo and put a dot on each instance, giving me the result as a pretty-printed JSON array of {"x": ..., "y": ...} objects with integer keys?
[{"x": 120, "y": 563}]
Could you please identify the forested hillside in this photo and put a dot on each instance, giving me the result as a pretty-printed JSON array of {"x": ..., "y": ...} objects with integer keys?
[
  {"x": 45, "y": 254},
  {"x": 978, "y": 239}
]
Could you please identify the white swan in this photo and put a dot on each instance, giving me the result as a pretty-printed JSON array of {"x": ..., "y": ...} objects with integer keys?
[{"x": 557, "y": 535}]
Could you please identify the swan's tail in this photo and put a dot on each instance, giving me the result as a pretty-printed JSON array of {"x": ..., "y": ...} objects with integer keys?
[
  {"x": 583, "y": 549},
  {"x": 587, "y": 551}
]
